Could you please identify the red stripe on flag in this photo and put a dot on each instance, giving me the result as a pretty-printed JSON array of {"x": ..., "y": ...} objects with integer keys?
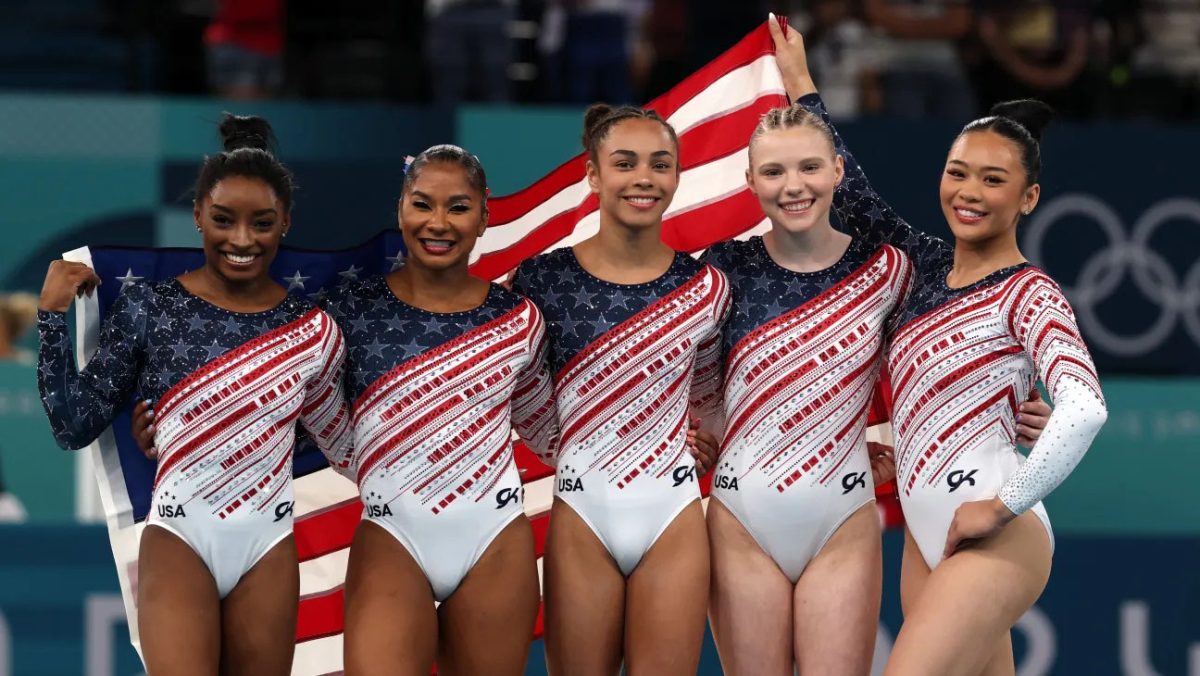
[
  {"x": 503, "y": 210},
  {"x": 320, "y": 615},
  {"x": 326, "y": 531}
]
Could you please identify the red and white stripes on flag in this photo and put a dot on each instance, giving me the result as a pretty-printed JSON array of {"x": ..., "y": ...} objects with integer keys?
[{"x": 713, "y": 112}]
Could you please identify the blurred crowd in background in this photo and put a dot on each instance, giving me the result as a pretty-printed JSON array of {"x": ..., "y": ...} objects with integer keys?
[{"x": 908, "y": 58}]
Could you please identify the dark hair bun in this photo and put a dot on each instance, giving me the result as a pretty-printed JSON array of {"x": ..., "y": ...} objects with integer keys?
[
  {"x": 246, "y": 131},
  {"x": 1032, "y": 114},
  {"x": 594, "y": 115}
]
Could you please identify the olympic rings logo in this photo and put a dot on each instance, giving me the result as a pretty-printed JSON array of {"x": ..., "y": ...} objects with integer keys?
[{"x": 1178, "y": 299}]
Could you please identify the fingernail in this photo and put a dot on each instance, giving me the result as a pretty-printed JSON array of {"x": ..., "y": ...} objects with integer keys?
[
  {"x": 770, "y": 16},
  {"x": 146, "y": 402},
  {"x": 150, "y": 429},
  {"x": 150, "y": 414}
]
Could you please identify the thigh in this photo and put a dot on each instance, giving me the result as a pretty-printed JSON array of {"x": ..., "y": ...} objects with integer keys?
[
  {"x": 913, "y": 573},
  {"x": 837, "y": 599},
  {"x": 179, "y": 609},
  {"x": 258, "y": 617},
  {"x": 584, "y": 596},
  {"x": 1001, "y": 663},
  {"x": 750, "y": 601},
  {"x": 666, "y": 599},
  {"x": 486, "y": 625},
  {"x": 971, "y": 600},
  {"x": 391, "y": 624}
]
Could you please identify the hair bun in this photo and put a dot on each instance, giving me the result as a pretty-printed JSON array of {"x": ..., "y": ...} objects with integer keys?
[
  {"x": 1032, "y": 114},
  {"x": 246, "y": 131},
  {"x": 595, "y": 115}
]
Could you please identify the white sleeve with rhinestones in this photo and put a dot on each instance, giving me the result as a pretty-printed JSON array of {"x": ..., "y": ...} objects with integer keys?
[{"x": 1042, "y": 321}]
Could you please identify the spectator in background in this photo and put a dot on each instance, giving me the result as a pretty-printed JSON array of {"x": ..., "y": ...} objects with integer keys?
[
  {"x": 468, "y": 50},
  {"x": 244, "y": 42},
  {"x": 921, "y": 74},
  {"x": 18, "y": 312},
  {"x": 1034, "y": 48},
  {"x": 586, "y": 45},
  {"x": 660, "y": 53},
  {"x": 1165, "y": 67},
  {"x": 842, "y": 56}
]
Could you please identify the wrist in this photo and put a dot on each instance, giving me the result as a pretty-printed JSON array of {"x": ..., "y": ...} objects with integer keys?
[
  {"x": 49, "y": 314},
  {"x": 1001, "y": 511},
  {"x": 798, "y": 86}
]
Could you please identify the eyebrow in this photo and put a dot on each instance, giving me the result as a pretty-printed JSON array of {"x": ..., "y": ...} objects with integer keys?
[
  {"x": 630, "y": 153},
  {"x": 259, "y": 212},
  {"x": 806, "y": 160},
  {"x": 1002, "y": 169},
  {"x": 452, "y": 198}
]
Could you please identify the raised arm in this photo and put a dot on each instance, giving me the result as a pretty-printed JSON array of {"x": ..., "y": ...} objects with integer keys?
[
  {"x": 868, "y": 216},
  {"x": 534, "y": 415},
  {"x": 80, "y": 405}
]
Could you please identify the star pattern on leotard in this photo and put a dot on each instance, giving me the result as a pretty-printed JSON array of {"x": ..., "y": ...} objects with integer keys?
[
  {"x": 579, "y": 308},
  {"x": 153, "y": 337},
  {"x": 382, "y": 332},
  {"x": 764, "y": 290}
]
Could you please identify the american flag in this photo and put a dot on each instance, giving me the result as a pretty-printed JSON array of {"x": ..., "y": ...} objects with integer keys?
[{"x": 713, "y": 111}]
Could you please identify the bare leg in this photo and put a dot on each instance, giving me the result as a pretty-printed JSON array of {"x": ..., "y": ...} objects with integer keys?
[
  {"x": 837, "y": 599},
  {"x": 258, "y": 618},
  {"x": 913, "y": 574},
  {"x": 584, "y": 596},
  {"x": 971, "y": 600},
  {"x": 179, "y": 609},
  {"x": 391, "y": 626},
  {"x": 666, "y": 600},
  {"x": 1001, "y": 663},
  {"x": 751, "y": 601},
  {"x": 487, "y": 623}
]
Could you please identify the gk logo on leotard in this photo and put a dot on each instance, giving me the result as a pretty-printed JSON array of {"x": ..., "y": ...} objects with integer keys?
[
  {"x": 283, "y": 509},
  {"x": 508, "y": 496},
  {"x": 854, "y": 480},
  {"x": 682, "y": 475},
  {"x": 958, "y": 478}
]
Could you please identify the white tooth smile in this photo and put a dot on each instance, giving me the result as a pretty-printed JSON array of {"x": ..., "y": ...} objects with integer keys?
[
  {"x": 641, "y": 201},
  {"x": 438, "y": 242},
  {"x": 797, "y": 207},
  {"x": 969, "y": 213},
  {"x": 240, "y": 260}
]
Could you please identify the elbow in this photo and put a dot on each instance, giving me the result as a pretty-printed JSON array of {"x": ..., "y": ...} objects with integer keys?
[{"x": 1100, "y": 416}]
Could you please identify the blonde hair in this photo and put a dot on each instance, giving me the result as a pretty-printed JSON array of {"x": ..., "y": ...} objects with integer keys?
[
  {"x": 18, "y": 312},
  {"x": 791, "y": 117}
]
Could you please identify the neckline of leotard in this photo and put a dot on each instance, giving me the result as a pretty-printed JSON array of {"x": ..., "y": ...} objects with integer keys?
[
  {"x": 676, "y": 261},
  {"x": 387, "y": 289},
  {"x": 991, "y": 278},
  {"x": 758, "y": 242},
  {"x": 258, "y": 313}
]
